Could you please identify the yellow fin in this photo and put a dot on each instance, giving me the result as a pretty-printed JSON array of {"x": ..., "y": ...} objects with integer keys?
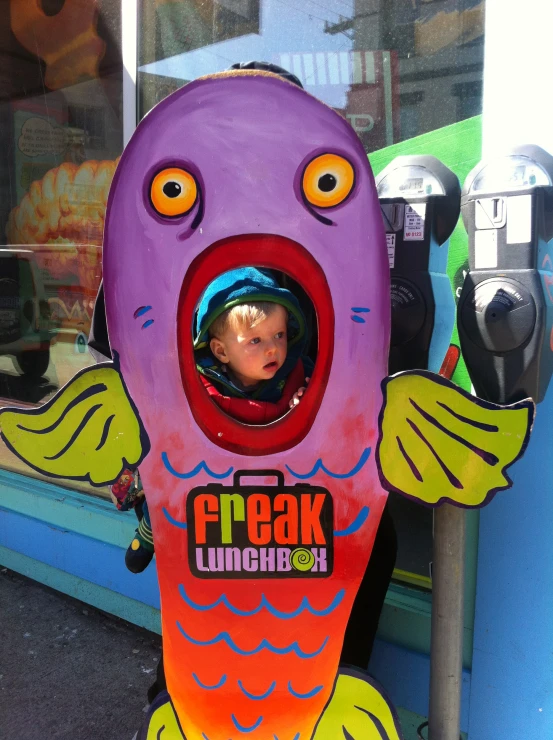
[
  {"x": 163, "y": 723},
  {"x": 90, "y": 430},
  {"x": 358, "y": 706},
  {"x": 438, "y": 443}
]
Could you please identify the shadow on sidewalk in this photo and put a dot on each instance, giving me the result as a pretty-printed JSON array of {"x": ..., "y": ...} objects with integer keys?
[{"x": 69, "y": 671}]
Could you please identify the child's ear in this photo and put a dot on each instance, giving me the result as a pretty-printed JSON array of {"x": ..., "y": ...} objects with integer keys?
[{"x": 218, "y": 349}]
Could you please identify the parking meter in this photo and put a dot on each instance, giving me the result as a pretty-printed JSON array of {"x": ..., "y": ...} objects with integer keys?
[
  {"x": 505, "y": 309},
  {"x": 420, "y": 200}
]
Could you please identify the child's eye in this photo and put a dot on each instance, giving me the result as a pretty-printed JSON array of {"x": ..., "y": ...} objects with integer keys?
[
  {"x": 255, "y": 340},
  {"x": 280, "y": 335}
]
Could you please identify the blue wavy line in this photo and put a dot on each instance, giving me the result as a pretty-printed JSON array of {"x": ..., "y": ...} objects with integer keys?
[
  {"x": 319, "y": 466},
  {"x": 296, "y": 737},
  {"x": 257, "y": 697},
  {"x": 141, "y": 311},
  {"x": 308, "y": 695},
  {"x": 210, "y": 688},
  {"x": 180, "y": 525},
  {"x": 264, "y": 644},
  {"x": 304, "y": 606},
  {"x": 246, "y": 729},
  {"x": 356, "y": 524},
  {"x": 360, "y": 309},
  {"x": 199, "y": 467}
]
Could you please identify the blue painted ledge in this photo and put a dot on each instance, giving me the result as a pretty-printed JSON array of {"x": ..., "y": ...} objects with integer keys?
[
  {"x": 77, "y": 534},
  {"x": 84, "y": 557}
]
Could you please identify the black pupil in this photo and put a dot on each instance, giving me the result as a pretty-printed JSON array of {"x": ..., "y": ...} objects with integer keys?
[
  {"x": 52, "y": 7},
  {"x": 172, "y": 189},
  {"x": 327, "y": 183}
]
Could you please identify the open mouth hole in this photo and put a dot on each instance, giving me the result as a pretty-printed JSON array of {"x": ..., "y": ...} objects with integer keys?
[
  {"x": 294, "y": 269},
  {"x": 255, "y": 342}
]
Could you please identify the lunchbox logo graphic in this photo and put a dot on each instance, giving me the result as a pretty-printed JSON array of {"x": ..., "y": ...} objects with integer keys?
[{"x": 260, "y": 531}]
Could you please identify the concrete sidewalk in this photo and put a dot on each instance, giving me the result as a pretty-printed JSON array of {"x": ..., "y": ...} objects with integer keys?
[
  {"x": 67, "y": 670},
  {"x": 71, "y": 672}
]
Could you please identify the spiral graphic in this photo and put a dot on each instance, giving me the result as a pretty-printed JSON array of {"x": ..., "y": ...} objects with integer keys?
[{"x": 302, "y": 559}]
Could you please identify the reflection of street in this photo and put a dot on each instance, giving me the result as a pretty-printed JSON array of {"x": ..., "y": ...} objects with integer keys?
[
  {"x": 17, "y": 390},
  {"x": 64, "y": 364}
]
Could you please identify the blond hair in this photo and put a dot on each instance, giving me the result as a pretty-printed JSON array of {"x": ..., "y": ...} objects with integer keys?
[{"x": 243, "y": 315}]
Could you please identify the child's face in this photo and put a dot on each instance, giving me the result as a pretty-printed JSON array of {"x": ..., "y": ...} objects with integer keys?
[{"x": 254, "y": 354}]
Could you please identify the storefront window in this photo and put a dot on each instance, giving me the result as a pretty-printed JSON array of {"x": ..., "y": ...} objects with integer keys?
[
  {"x": 395, "y": 69},
  {"x": 61, "y": 129}
]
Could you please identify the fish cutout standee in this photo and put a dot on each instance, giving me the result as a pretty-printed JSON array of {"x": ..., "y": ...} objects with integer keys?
[{"x": 262, "y": 533}]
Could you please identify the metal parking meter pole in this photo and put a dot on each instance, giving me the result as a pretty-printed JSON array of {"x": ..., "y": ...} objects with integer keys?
[
  {"x": 446, "y": 650},
  {"x": 420, "y": 199}
]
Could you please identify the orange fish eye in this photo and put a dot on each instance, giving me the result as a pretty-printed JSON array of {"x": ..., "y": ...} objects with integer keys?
[
  {"x": 173, "y": 192},
  {"x": 328, "y": 180}
]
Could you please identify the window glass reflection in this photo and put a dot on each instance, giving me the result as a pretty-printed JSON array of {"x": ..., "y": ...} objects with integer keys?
[
  {"x": 393, "y": 68},
  {"x": 60, "y": 114}
]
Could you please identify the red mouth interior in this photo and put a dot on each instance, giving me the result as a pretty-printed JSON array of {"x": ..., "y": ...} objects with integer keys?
[{"x": 277, "y": 253}]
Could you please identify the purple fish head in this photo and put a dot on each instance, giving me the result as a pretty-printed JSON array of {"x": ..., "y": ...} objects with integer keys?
[{"x": 257, "y": 149}]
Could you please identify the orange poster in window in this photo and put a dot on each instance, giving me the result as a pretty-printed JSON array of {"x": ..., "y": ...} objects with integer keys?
[
  {"x": 68, "y": 40},
  {"x": 62, "y": 219}
]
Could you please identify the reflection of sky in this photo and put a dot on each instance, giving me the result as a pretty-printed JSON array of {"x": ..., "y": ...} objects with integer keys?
[{"x": 287, "y": 27}]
